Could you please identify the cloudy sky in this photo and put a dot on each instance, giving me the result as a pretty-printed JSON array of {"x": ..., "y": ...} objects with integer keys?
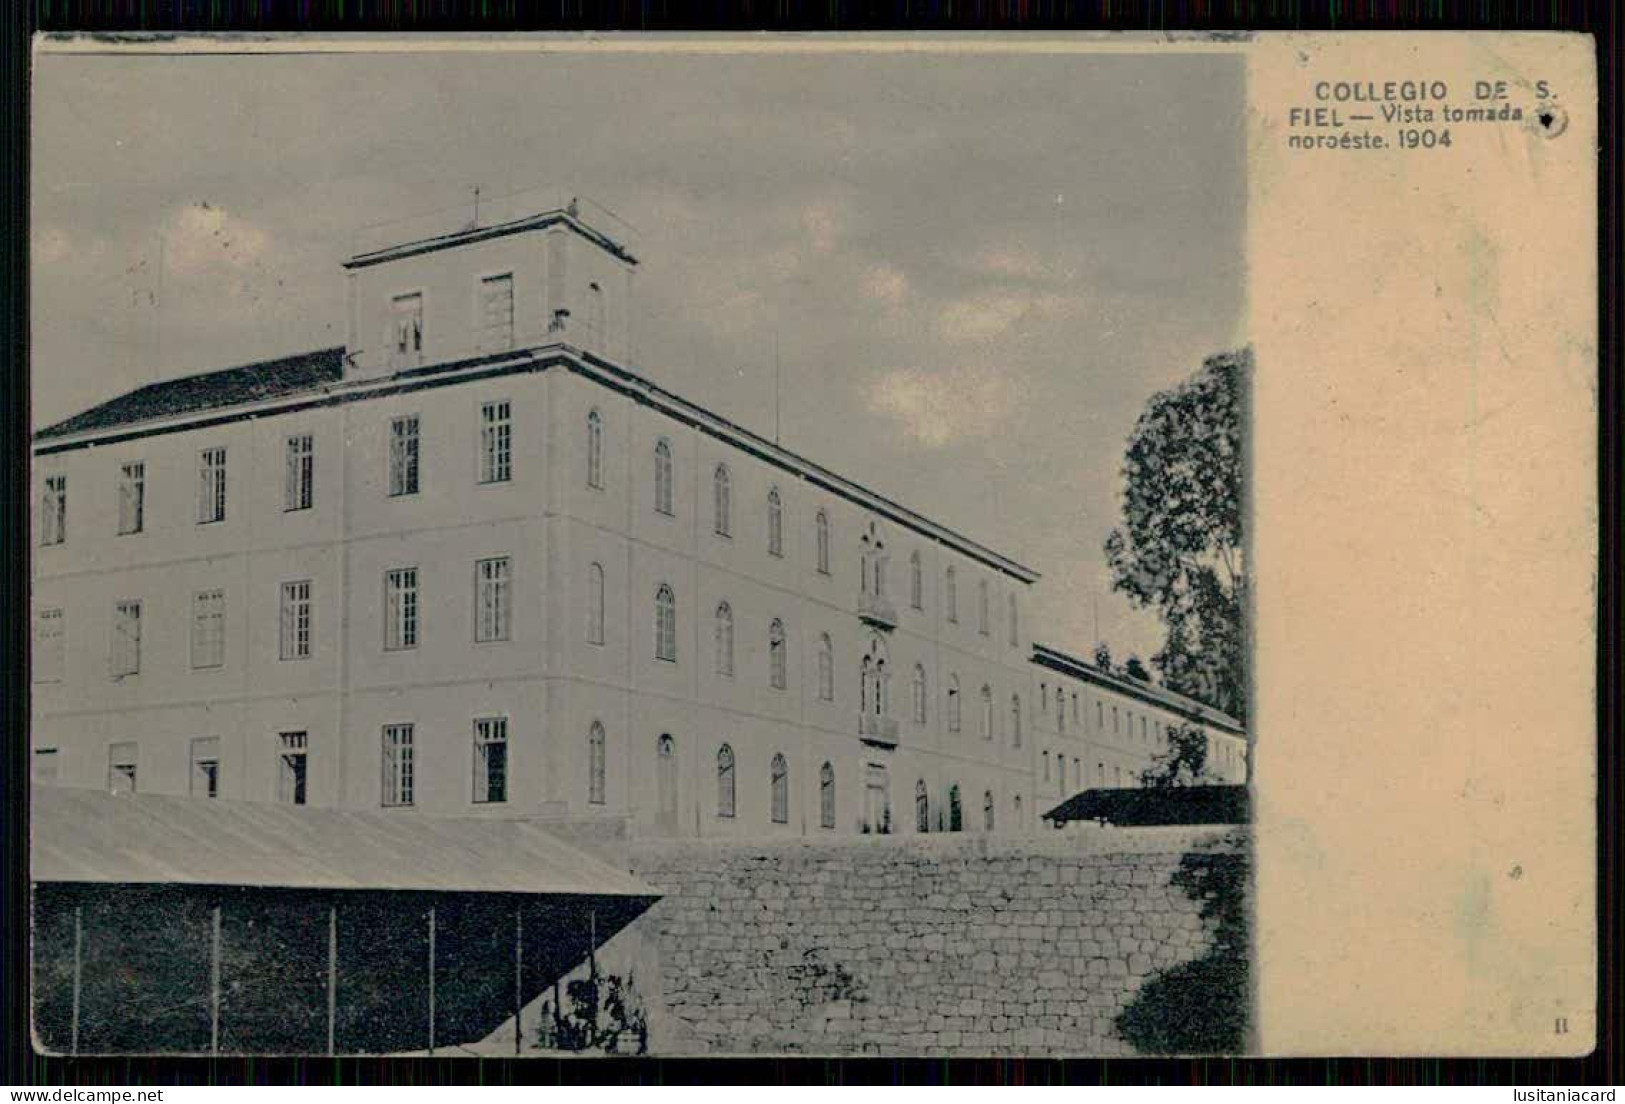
[{"x": 975, "y": 268}]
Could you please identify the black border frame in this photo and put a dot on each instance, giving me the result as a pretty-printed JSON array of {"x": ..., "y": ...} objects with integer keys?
[{"x": 22, "y": 1067}]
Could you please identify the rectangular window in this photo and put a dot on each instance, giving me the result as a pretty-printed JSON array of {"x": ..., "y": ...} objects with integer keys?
[
  {"x": 403, "y": 455},
  {"x": 491, "y": 599},
  {"x": 300, "y": 477},
  {"x": 49, "y": 646},
  {"x": 121, "y": 766},
  {"x": 206, "y": 766},
  {"x": 45, "y": 766},
  {"x": 397, "y": 764},
  {"x": 132, "y": 495},
  {"x": 406, "y": 330},
  {"x": 496, "y": 313},
  {"x": 54, "y": 510},
  {"x": 496, "y": 443},
  {"x": 294, "y": 637},
  {"x": 211, "y": 486},
  {"x": 490, "y": 760},
  {"x": 126, "y": 649},
  {"x": 208, "y": 628},
  {"x": 400, "y": 609},
  {"x": 290, "y": 778}
]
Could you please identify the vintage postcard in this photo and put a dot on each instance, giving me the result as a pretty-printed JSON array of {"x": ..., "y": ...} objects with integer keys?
[{"x": 1073, "y": 545}]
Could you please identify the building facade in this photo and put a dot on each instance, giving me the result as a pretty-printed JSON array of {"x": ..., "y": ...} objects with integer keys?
[{"x": 471, "y": 563}]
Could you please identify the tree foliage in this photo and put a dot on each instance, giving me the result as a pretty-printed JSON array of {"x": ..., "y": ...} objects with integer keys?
[
  {"x": 1179, "y": 549},
  {"x": 1184, "y": 763}
]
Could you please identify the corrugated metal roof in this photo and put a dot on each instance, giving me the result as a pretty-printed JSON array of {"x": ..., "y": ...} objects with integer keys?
[
  {"x": 86, "y": 835},
  {"x": 266, "y": 379}
]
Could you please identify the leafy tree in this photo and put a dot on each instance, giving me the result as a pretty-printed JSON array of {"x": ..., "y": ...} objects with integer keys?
[
  {"x": 1134, "y": 669},
  {"x": 1179, "y": 549},
  {"x": 1183, "y": 764}
]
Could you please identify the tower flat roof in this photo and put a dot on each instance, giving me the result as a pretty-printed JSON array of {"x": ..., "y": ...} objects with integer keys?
[{"x": 471, "y": 234}]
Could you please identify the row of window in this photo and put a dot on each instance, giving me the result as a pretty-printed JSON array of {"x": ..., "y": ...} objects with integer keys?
[
  {"x": 493, "y": 320},
  {"x": 1078, "y": 781},
  {"x": 493, "y": 616},
  {"x": 490, "y": 775},
  {"x": 299, "y": 484},
  {"x": 397, "y": 762},
  {"x": 496, "y": 466},
  {"x": 1151, "y": 729},
  {"x": 493, "y": 605}
]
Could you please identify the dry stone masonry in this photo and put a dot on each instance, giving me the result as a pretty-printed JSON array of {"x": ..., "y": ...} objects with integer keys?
[{"x": 1101, "y": 941}]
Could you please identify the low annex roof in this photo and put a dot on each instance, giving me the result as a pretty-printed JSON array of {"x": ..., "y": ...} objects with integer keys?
[
  {"x": 265, "y": 379},
  {"x": 90, "y": 835}
]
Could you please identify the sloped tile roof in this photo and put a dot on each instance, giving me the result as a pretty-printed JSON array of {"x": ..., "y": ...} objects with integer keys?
[
  {"x": 266, "y": 379},
  {"x": 88, "y": 835}
]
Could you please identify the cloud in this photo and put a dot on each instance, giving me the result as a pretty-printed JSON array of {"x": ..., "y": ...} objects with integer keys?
[
  {"x": 988, "y": 315},
  {"x": 941, "y": 408},
  {"x": 1021, "y": 264},
  {"x": 821, "y": 225},
  {"x": 203, "y": 238},
  {"x": 886, "y": 284}
]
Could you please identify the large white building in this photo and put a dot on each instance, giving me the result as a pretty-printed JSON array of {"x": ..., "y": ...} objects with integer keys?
[{"x": 472, "y": 563}]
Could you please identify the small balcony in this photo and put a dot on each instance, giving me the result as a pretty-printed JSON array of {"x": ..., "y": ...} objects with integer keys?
[
  {"x": 877, "y": 611},
  {"x": 880, "y": 731}
]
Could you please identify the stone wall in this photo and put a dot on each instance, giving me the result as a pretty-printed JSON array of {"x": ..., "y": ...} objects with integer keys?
[{"x": 1103, "y": 941}]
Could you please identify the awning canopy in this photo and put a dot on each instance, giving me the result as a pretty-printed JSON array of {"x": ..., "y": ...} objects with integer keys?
[{"x": 91, "y": 836}]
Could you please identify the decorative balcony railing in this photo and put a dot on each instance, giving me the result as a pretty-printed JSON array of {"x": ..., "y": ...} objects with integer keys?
[
  {"x": 877, "y": 730},
  {"x": 877, "y": 611}
]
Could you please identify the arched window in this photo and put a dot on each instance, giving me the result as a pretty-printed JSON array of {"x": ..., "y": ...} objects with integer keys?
[
  {"x": 953, "y": 703},
  {"x": 725, "y": 639},
  {"x": 826, "y": 796},
  {"x": 595, "y": 449},
  {"x": 725, "y": 781},
  {"x": 666, "y": 781},
  {"x": 722, "y": 501},
  {"x": 779, "y": 780},
  {"x": 665, "y": 624},
  {"x": 922, "y": 807},
  {"x": 1016, "y": 807},
  {"x": 823, "y": 542},
  {"x": 916, "y": 581},
  {"x": 1045, "y": 757},
  {"x": 595, "y": 603},
  {"x": 919, "y": 694},
  {"x": 663, "y": 477},
  {"x": 956, "y": 815},
  {"x": 775, "y": 523},
  {"x": 826, "y": 668},
  {"x": 981, "y": 607},
  {"x": 595, "y": 764},
  {"x": 951, "y": 595},
  {"x": 775, "y": 654},
  {"x": 1015, "y": 624},
  {"x": 987, "y": 712},
  {"x": 987, "y": 810},
  {"x": 1015, "y": 720},
  {"x": 1060, "y": 711}
]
